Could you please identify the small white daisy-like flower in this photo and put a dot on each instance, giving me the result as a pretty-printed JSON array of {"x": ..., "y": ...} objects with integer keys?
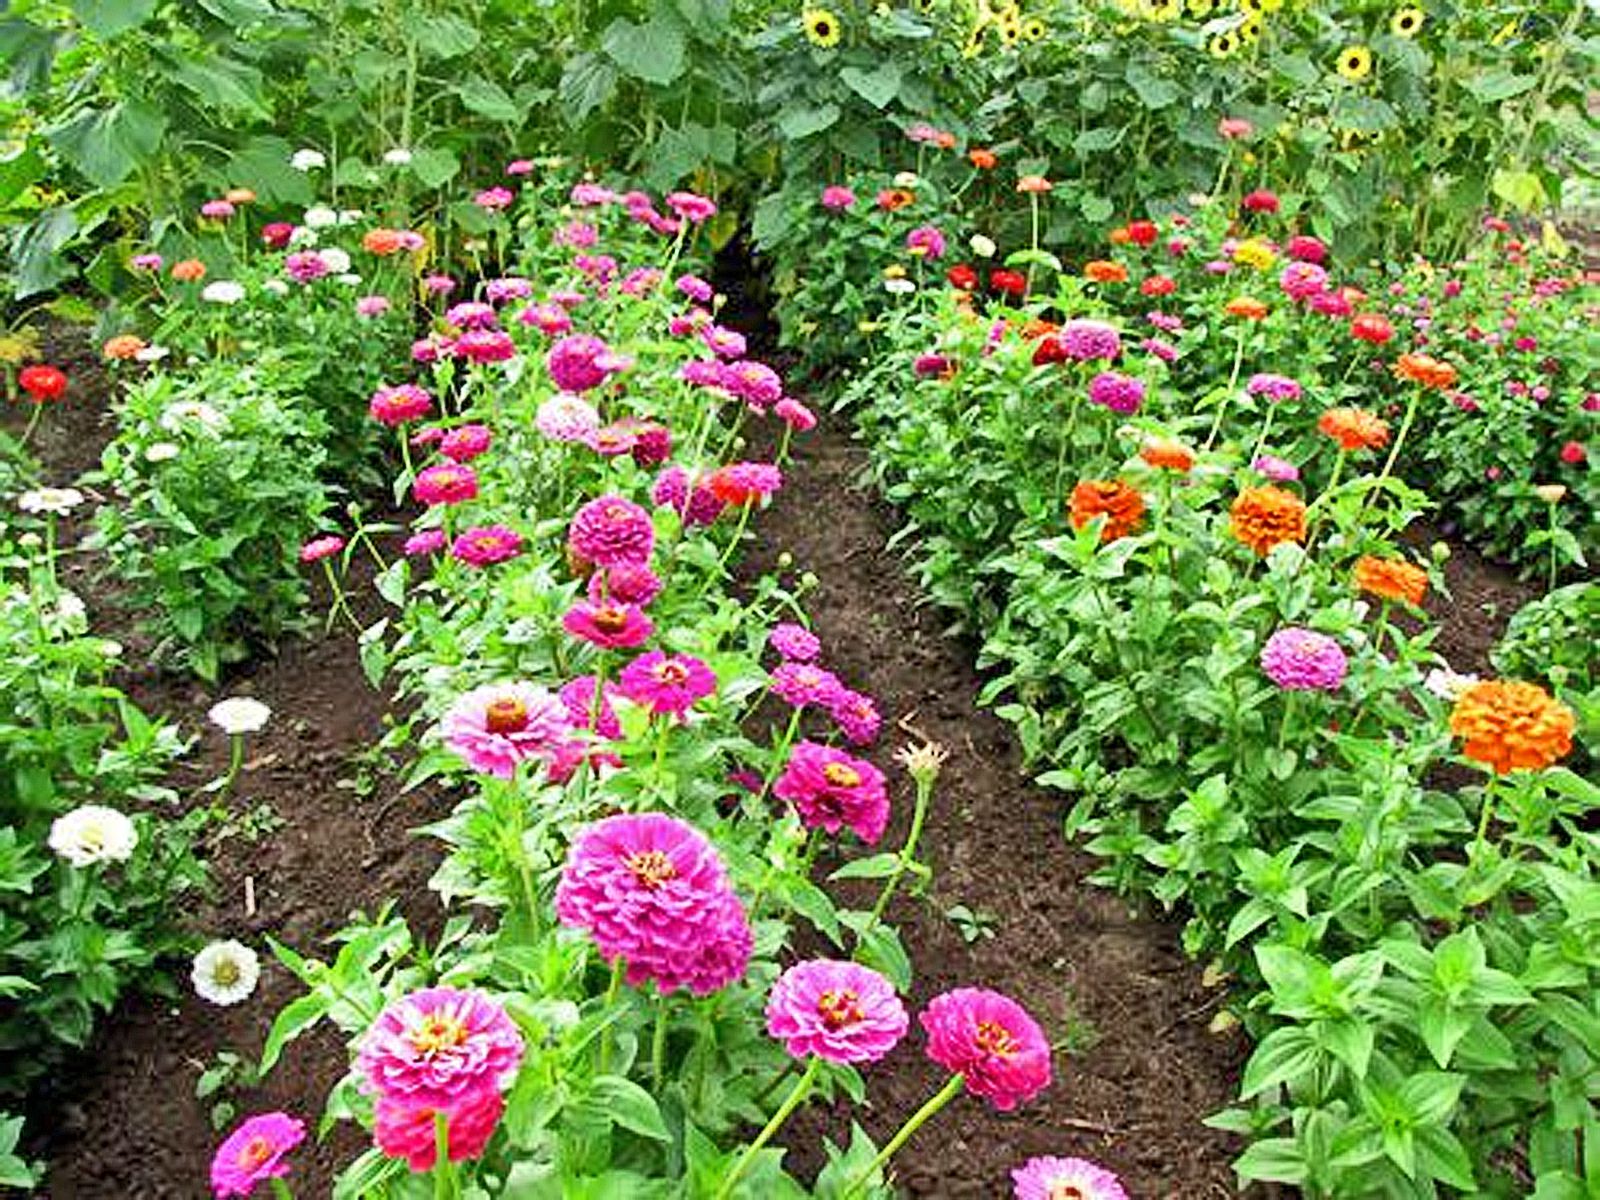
[
  {"x": 899, "y": 287},
  {"x": 276, "y": 287},
  {"x": 398, "y": 157},
  {"x": 351, "y": 216},
  {"x": 225, "y": 972},
  {"x": 1447, "y": 684},
  {"x": 338, "y": 262},
  {"x": 239, "y": 714},
  {"x": 184, "y": 413},
  {"x": 55, "y": 501},
  {"x": 303, "y": 235},
  {"x": 158, "y": 452},
  {"x": 308, "y": 160},
  {"x": 321, "y": 217},
  {"x": 982, "y": 246},
  {"x": 906, "y": 179},
  {"x": 93, "y": 834},
  {"x": 151, "y": 354},
  {"x": 348, "y": 279},
  {"x": 223, "y": 291}
]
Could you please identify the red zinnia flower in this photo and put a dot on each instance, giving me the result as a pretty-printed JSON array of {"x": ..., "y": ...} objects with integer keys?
[
  {"x": 1370, "y": 327},
  {"x": 1143, "y": 233},
  {"x": 1262, "y": 201},
  {"x": 43, "y": 383},
  {"x": 1012, "y": 283},
  {"x": 1573, "y": 453},
  {"x": 962, "y": 276}
]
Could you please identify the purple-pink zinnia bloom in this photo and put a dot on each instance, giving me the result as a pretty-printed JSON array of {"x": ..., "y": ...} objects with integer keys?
[
  {"x": 581, "y": 361},
  {"x": 609, "y": 626},
  {"x": 991, "y": 1042},
  {"x": 838, "y": 1011},
  {"x": 837, "y": 197},
  {"x": 625, "y": 583},
  {"x": 830, "y": 789},
  {"x": 804, "y": 683},
  {"x": 651, "y": 890},
  {"x": 794, "y": 643},
  {"x": 320, "y": 548},
  {"x": 254, "y": 1152},
  {"x": 427, "y": 541},
  {"x": 1301, "y": 660},
  {"x": 1279, "y": 470},
  {"x": 437, "y": 1045},
  {"x": 484, "y": 346},
  {"x": 1273, "y": 387},
  {"x": 499, "y": 725},
  {"x": 1120, "y": 393},
  {"x": 667, "y": 683},
  {"x": 927, "y": 241},
  {"x": 446, "y": 483},
  {"x": 692, "y": 207},
  {"x": 465, "y": 442},
  {"x": 1086, "y": 341},
  {"x": 1055, "y": 1178},
  {"x": 609, "y": 530},
  {"x": 494, "y": 199},
  {"x": 485, "y": 545},
  {"x": 394, "y": 406},
  {"x": 856, "y": 716}
]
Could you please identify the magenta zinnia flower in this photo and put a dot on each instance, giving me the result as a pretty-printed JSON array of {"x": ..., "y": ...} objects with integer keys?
[
  {"x": 1070, "y": 1178},
  {"x": 394, "y": 406},
  {"x": 484, "y": 346},
  {"x": 579, "y": 362},
  {"x": 625, "y": 583},
  {"x": 830, "y": 789},
  {"x": 651, "y": 890},
  {"x": 1120, "y": 393},
  {"x": 409, "y": 1131},
  {"x": 691, "y": 206},
  {"x": 446, "y": 483},
  {"x": 485, "y": 545},
  {"x": 472, "y": 314},
  {"x": 803, "y": 683},
  {"x": 578, "y": 696},
  {"x": 438, "y": 1045},
  {"x": 991, "y": 1042},
  {"x": 838, "y": 1011},
  {"x": 320, "y": 548},
  {"x": 610, "y": 626},
  {"x": 794, "y": 643},
  {"x": 499, "y": 725},
  {"x": 795, "y": 415},
  {"x": 927, "y": 241},
  {"x": 1087, "y": 341},
  {"x": 567, "y": 418},
  {"x": 1301, "y": 660},
  {"x": 837, "y": 197},
  {"x": 254, "y": 1152},
  {"x": 696, "y": 503},
  {"x": 667, "y": 683},
  {"x": 610, "y": 530},
  {"x": 1273, "y": 387},
  {"x": 856, "y": 716},
  {"x": 426, "y": 541},
  {"x": 465, "y": 442}
]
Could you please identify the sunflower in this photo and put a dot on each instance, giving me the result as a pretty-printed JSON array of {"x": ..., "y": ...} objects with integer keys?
[
  {"x": 1010, "y": 30},
  {"x": 1254, "y": 7},
  {"x": 821, "y": 27},
  {"x": 1165, "y": 11},
  {"x": 1033, "y": 29},
  {"x": 1250, "y": 30},
  {"x": 1355, "y": 63},
  {"x": 1224, "y": 45},
  {"x": 1407, "y": 22},
  {"x": 1201, "y": 8}
]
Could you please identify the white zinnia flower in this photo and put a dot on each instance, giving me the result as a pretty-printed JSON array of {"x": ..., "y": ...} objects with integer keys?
[
  {"x": 398, "y": 157},
  {"x": 275, "y": 286},
  {"x": 226, "y": 972},
  {"x": 56, "y": 501},
  {"x": 899, "y": 287},
  {"x": 239, "y": 714},
  {"x": 349, "y": 279},
  {"x": 223, "y": 291},
  {"x": 303, "y": 235},
  {"x": 183, "y": 412},
  {"x": 983, "y": 247},
  {"x": 321, "y": 217},
  {"x": 1447, "y": 684},
  {"x": 351, "y": 216},
  {"x": 70, "y": 608},
  {"x": 150, "y": 354},
  {"x": 93, "y": 834},
  {"x": 308, "y": 160},
  {"x": 338, "y": 261},
  {"x": 906, "y": 179},
  {"x": 157, "y": 452}
]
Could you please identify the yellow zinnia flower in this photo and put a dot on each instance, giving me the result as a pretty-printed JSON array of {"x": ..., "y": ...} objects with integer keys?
[
  {"x": 1355, "y": 62},
  {"x": 1253, "y": 252},
  {"x": 821, "y": 27},
  {"x": 1407, "y": 22}
]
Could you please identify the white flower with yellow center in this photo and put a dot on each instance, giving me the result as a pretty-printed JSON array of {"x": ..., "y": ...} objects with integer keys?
[
  {"x": 239, "y": 714},
  {"x": 983, "y": 247},
  {"x": 58, "y": 502},
  {"x": 226, "y": 972},
  {"x": 93, "y": 834},
  {"x": 308, "y": 160}
]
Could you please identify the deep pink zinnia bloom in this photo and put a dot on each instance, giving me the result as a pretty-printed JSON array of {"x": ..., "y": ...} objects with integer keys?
[
  {"x": 609, "y": 530},
  {"x": 795, "y": 415},
  {"x": 593, "y": 195},
  {"x": 499, "y": 725},
  {"x": 472, "y": 314},
  {"x": 927, "y": 241},
  {"x": 579, "y": 362},
  {"x": 303, "y": 266},
  {"x": 494, "y": 199},
  {"x": 609, "y": 626},
  {"x": 438, "y": 1045},
  {"x": 651, "y": 890},
  {"x": 394, "y": 406},
  {"x": 692, "y": 500},
  {"x": 275, "y": 235},
  {"x": 484, "y": 346},
  {"x": 1303, "y": 280},
  {"x": 465, "y": 442},
  {"x": 549, "y": 319},
  {"x": 320, "y": 548},
  {"x": 625, "y": 583},
  {"x": 830, "y": 789},
  {"x": 1273, "y": 387},
  {"x": 578, "y": 695},
  {"x": 695, "y": 288},
  {"x": 803, "y": 683},
  {"x": 838, "y": 1011},
  {"x": 652, "y": 444},
  {"x": 856, "y": 716},
  {"x": 1120, "y": 393},
  {"x": 446, "y": 483},
  {"x": 1306, "y": 248},
  {"x": 519, "y": 166},
  {"x": 508, "y": 287},
  {"x": 1301, "y": 660},
  {"x": 1059, "y": 1178},
  {"x": 836, "y": 197},
  {"x": 485, "y": 545},
  {"x": 410, "y": 1131},
  {"x": 692, "y": 207},
  {"x": 757, "y": 384},
  {"x": 1260, "y": 201},
  {"x": 794, "y": 643},
  {"x": 1086, "y": 341},
  {"x": 253, "y": 1153},
  {"x": 667, "y": 684},
  {"x": 991, "y": 1042},
  {"x": 427, "y": 541}
]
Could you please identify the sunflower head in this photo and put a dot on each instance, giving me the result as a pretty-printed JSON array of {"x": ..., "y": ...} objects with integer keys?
[
  {"x": 1223, "y": 45},
  {"x": 1250, "y": 30},
  {"x": 821, "y": 27},
  {"x": 1355, "y": 62},
  {"x": 1033, "y": 29},
  {"x": 1201, "y": 8},
  {"x": 1407, "y": 22}
]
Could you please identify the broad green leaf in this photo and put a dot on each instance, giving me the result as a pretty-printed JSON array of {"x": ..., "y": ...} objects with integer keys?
[
  {"x": 1282, "y": 1055},
  {"x": 877, "y": 87},
  {"x": 107, "y": 144},
  {"x": 629, "y": 1105},
  {"x": 434, "y": 167},
  {"x": 797, "y": 122},
  {"x": 488, "y": 99},
  {"x": 1272, "y": 1160},
  {"x": 653, "y": 52},
  {"x": 108, "y": 18}
]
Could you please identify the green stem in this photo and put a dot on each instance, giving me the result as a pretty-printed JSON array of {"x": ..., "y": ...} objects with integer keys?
[
  {"x": 791, "y": 1102},
  {"x": 603, "y": 1057},
  {"x": 444, "y": 1175},
  {"x": 902, "y": 862},
  {"x": 658, "y": 1044},
  {"x": 1233, "y": 382},
  {"x": 917, "y": 1120}
]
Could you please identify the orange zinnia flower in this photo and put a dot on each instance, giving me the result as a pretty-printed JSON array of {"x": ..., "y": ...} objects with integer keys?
[
  {"x": 1120, "y": 236},
  {"x": 1035, "y": 185},
  {"x": 1264, "y": 517},
  {"x": 1510, "y": 725},
  {"x": 1038, "y": 328},
  {"x": 1103, "y": 270},
  {"x": 984, "y": 160},
  {"x": 381, "y": 241},
  {"x": 1354, "y": 428},
  {"x": 1391, "y": 578},
  {"x": 124, "y": 346},
  {"x": 1121, "y": 505},
  {"x": 1429, "y": 372},
  {"x": 1247, "y": 307},
  {"x": 894, "y": 199},
  {"x": 239, "y": 195},
  {"x": 1168, "y": 453},
  {"x": 190, "y": 270}
]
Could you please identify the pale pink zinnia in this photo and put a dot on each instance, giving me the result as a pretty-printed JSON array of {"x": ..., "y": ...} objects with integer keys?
[
  {"x": 838, "y": 1011},
  {"x": 829, "y": 790},
  {"x": 991, "y": 1042},
  {"x": 254, "y": 1153},
  {"x": 567, "y": 418},
  {"x": 1065, "y": 1179},
  {"x": 499, "y": 725},
  {"x": 667, "y": 683},
  {"x": 437, "y": 1045}
]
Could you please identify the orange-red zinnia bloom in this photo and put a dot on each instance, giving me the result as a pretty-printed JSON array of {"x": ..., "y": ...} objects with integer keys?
[
  {"x": 1167, "y": 453},
  {"x": 894, "y": 199},
  {"x": 382, "y": 241},
  {"x": 190, "y": 270},
  {"x": 1035, "y": 185},
  {"x": 1354, "y": 428},
  {"x": 1247, "y": 307},
  {"x": 1391, "y": 578},
  {"x": 1426, "y": 370},
  {"x": 124, "y": 346},
  {"x": 1509, "y": 725},
  {"x": 1121, "y": 505},
  {"x": 984, "y": 160},
  {"x": 1102, "y": 270},
  {"x": 1264, "y": 517}
]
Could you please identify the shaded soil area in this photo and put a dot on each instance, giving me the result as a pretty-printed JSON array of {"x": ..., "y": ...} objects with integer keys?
[{"x": 1136, "y": 1069}]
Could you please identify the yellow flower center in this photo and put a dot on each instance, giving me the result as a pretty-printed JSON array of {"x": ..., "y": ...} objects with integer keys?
[
  {"x": 506, "y": 715},
  {"x": 839, "y": 775},
  {"x": 994, "y": 1038},
  {"x": 254, "y": 1153},
  {"x": 651, "y": 868},
  {"x": 671, "y": 672},
  {"x": 437, "y": 1032},
  {"x": 839, "y": 1009}
]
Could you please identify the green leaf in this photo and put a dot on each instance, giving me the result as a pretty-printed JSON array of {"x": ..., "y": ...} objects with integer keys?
[
  {"x": 488, "y": 99},
  {"x": 877, "y": 87},
  {"x": 653, "y": 52},
  {"x": 1492, "y": 87},
  {"x": 1523, "y": 190},
  {"x": 220, "y": 83},
  {"x": 297, "y": 1017},
  {"x": 797, "y": 122},
  {"x": 434, "y": 167},
  {"x": 1154, "y": 92},
  {"x": 445, "y": 36},
  {"x": 108, "y": 18},
  {"x": 1092, "y": 140},
  {"x": 1272, "y": 1160},
  {"x": 629, "y": 1105},
  {"x": 106, "y": 144},
  {"x": 1282, "y": 1055},
  {"x": 18, "y": 173}
]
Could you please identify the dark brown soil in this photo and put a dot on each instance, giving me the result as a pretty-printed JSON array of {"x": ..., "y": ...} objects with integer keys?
[
  {"x": 1482, "y": 597},
  {"x": 1136, "y": 1069}
]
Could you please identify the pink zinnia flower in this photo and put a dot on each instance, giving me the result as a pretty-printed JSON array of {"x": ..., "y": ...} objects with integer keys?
[
  {"x": 795, "y": 415},
  {"x": 217, "y": 210},
  {"x": 372, "y": 306},
  {"x": 1235, "y": 127},
  {"x": 446, "y": 483},
  {"x": 592, "y": 195},
  {"x": 549, "y": 319},
  {"x": 275, "y": 235},
  {"x": 692, "y": 207},
  {"x": 578, "y": 696},
  {"x": 612, "y": 441},
  {"x": 610, "y": 530},
  {"x": 320, "y": 548},
  {"x": 438, "y": 285},
  {"x": 652, "y": 444},
  {"x": 991, "y": 1042},
  {"x": 1273, "y": 387},
  {"x": 472, "y": 314},
  {"x": 580, "y": 362},
  {"x": 610, "y": 626},
  {"x": 519, "y": 166},
  {"x": 303, "y": 266},
  {"x": 1087, "y": 341},
  {"x": 567, "y": 418},
  {"x": 1280, "y": 470},
  {"x": 804, "y": 683},
  {"x": 435, "y": 1046},
  {"x": 1055, "y": 1178},
  {"x": 494, "y": 199},
  {"x": 856, "y": 716},
  {"x": 625, "y": 583},
  {"x": 651, "y": 890},
  {"x": 1300, "y": 660},
  {"x": 499, "y": 725},
  {"x": 1120, "y": 393},
  {"x": 394, "y": 406},
  {"x": 1260, "y": 201},
  {"x": 837, "y": 197},
  {"x": 695, "y": 502},
  {"x": 485, "y": 346},
  {"x": 1306, "y": 248},
  {"x": 485, "y": 545},
  {"x": 670, "y": 684},
  {"x": 742, "y": 483},
  {"x": 254, "y": 1152},
  {"x": 927, "y": 241},
  {"x": 757, "y": 384},
  {"x": 146, "y": 262},
  {"x": 841, "y": 1012},
  {"x": 509, "y": 287},
  {"x": 1303, "y": 280},
  {"x": 794, "y": 643},
  {"x": 427, "y": 541},
  {"x": 1160, "y": 348},
  {"x": 695, "y": 288},
  {"x": 409, "y": 1131},
  {"x": 830, "y": 789},
  {"x": 724, "y": 342},
  {"x": 465, "y": 442}
]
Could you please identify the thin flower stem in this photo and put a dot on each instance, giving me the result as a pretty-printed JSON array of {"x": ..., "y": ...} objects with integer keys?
[
  {"x": 1394, "y": 450},
  {"x": 658, "y": 1043},
  {"x": 791, "y": 1102},
  {"x": 613, "y": 989},
  {"x": 903, "y": 861},
  {"x": 444, "y": 1174},
  {"x": 917, "y": 1120},
  {"x": 1233, "y": 383},
  {"x": 33, "y": 420}
]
